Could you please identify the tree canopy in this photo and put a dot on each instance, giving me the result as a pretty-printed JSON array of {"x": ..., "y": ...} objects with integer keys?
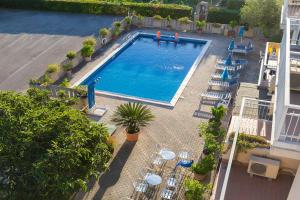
[
  {"x": 264, "y": 14},
  {"x": 48, "y": 150}
]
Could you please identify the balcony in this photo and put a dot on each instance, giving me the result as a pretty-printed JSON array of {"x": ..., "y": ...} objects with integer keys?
[
  {"x": 290, "y": 9},
  {"x": 286, "y": 124}
]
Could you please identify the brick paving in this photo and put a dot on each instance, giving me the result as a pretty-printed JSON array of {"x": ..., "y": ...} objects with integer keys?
[{"x": 176, "y": 127}]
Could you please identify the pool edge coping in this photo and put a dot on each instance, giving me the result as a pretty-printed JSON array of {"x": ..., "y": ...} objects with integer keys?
[{"x": 180, "y": 89}]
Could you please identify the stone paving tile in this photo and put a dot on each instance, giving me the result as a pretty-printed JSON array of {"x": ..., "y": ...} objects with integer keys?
[{"x": 176, "y": 127}]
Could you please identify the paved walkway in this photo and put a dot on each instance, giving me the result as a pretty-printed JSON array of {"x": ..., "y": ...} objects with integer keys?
[
  {"x": 175, "y": 127},
  {"x": 30, "y": 40}
]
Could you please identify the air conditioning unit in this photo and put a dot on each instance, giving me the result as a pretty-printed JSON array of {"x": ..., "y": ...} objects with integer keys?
[{"x": 265, "y": 167}]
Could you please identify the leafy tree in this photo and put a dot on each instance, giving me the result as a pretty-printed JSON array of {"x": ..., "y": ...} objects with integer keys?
[
  {"x": 48, "y": 150},
  {"x": 264, "y": 14}
]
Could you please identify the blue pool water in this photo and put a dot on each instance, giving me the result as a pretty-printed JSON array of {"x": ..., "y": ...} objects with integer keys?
[{"x": 148, "y": 69}]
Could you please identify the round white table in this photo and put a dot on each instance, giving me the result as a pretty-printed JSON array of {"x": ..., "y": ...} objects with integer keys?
[
  {"x": 153, "y": 179},
  {"x": 167, "y": 154}
]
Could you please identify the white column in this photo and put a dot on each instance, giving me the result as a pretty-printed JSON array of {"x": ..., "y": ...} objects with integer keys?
[{"x": 294, "y": 193}]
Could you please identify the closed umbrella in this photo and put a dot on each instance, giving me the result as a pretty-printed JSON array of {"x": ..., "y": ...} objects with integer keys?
[
  {"x": 231, "y": 45},
  {"x": 225, "y": 74},
  {"x": 228, "y": 60},
  {"x": 91, "y": 93},
  {"x": 241, "y": 32}
]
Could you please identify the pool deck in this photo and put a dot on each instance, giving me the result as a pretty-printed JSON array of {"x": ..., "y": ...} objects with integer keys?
[{"x": 175, "y": 127}]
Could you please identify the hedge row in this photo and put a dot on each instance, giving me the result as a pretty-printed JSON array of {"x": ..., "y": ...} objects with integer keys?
[
  {"x": 222, "y": 15},
  {"x": 102, "y": 7}
]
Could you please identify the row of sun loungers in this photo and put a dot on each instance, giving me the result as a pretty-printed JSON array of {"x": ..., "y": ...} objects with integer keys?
[{"x": 226, "y": 84}]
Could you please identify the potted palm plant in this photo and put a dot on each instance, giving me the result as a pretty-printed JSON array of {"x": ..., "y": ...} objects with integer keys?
[
  {"x": 200, "y": 24},
  {"x": 132, "y": 116},
  {"x": 117, "y": 30},
  {"x": 128, "y": 21},
  {"x": 87, "y": 52},
  {"x": 71, "y": 55},
  {"x": 67, "y": 68},
  {"x": 169, "y": 20},
  {"x": 202, "y": 168},
  {"x": 232, "y": 24},
  {"x": 103, "y": 32}
]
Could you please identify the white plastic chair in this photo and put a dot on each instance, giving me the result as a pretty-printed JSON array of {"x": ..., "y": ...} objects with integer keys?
[{"x": 140, "y": 186}]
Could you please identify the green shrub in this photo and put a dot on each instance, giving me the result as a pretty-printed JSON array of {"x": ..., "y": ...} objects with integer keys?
[
  {"x": 52, "y": 68},
  {"x": 168, "y": 18},
  {"x": 67, "y": 67},
  {"x": 184, "y": 20},
  {"x": 71, "y": 55},
  {"x": 222, "y": 15},
  {"x": 205, "y": 165},
  {"x": 211, "y": 145},
  {"x": 200, "y": 24},
  {"x": 81, "y": 90},
  {"x": 65, "y": 83},
  {"x": 233, "y": 24},
  {"x": 102, "y": 7},
  {"x": 246, "y": 142},
  {"x": 140, "y": 17},
  {"x": 87, "y": 50},
  {"x": 46, "y": 80},
  {"x": 157, "y": 17},
  {"x": 89, "y": 41},
  {"x": 103, "y": 32},
  {"x": 232, "y": 4},
  {"x": 127, "y": 20},
  {"x": 116, "y": 32},
  {"x": 195, "y": 190}
]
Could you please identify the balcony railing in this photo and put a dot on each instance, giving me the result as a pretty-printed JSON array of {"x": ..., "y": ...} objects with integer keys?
[{"x": 286, "y": 123}]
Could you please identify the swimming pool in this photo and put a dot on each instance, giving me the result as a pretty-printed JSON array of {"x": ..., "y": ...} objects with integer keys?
[{"x": 147, "y": 70}]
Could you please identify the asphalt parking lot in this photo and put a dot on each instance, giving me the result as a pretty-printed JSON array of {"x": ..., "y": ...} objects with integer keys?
[{"x": 30, "y": 40}]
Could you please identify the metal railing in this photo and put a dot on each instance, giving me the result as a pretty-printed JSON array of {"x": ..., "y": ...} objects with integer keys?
[
  {"x": 251, "y": 108},
  {"x": 290, "y": 131},
  {"x": 294, "y": 2},
  {"x": 286, "y": 123}
]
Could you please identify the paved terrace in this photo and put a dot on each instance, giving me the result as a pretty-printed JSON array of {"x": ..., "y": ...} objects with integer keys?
[
  {"x": 175, "y": 127},
  {"x": 30, "y": 40},
  {"x": 242, "y": 186}
]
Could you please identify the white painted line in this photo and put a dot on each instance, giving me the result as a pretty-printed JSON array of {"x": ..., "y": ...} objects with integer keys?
[{"x": 28, "y": 63}]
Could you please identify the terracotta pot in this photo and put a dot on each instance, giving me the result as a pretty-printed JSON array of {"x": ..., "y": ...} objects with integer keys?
[
  {"x": 231, "y": 33},
  {"x": 199, "y": 177},
  {"x": 84, "y": 103},
  {"x": 88, "y": 59},
  {"x": 132, "y": 137}
]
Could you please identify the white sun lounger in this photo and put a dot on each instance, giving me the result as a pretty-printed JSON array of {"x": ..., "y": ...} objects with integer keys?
[
  {"x": 218, "y": 76},
  {"x": 230, "y": 68},
  {"x": 234, "y": 62},
  {"x": 223, "y": 84},
  {"x": 244, "y": 49},
  {"x": 216, "y": 95}
]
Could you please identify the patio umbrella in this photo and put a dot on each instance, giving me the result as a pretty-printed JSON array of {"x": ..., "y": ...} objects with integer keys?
[
  {"x": 91, "y": 93},
  {"x": 225, "y": 74},
  {"x": 241, "y": 32},
  {"x": 231, "y": 45},
  {"x": 228, "y": 60}
]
